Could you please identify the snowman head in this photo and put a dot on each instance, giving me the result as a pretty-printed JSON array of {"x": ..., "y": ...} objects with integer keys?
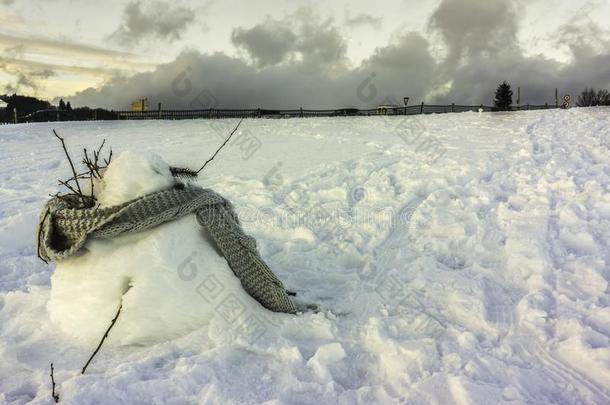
[{"x": 132, "y": 175}]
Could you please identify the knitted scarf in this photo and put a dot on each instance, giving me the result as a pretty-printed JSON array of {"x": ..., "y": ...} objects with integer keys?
[{"x": 64, "y": 229}]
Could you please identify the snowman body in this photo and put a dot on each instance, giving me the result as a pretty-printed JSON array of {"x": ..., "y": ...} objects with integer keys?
[{"x": 159, "y": 276}]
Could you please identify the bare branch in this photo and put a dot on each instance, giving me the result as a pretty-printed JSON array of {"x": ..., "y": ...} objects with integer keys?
[
  {"x": 91, "y": 180},
  {"x": 221, "y": 146},
  {"x": 97, "y": 154},
  {"x": 53, "y": 394},
  {"x": 63, "y": 145},
  {"x": 103, "y": 338},
  {"x": 68, "y": 186},
  {"x": 109, "y": 158}
]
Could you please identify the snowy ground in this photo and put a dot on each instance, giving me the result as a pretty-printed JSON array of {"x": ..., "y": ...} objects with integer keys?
[{"x": 456, "y": 258}]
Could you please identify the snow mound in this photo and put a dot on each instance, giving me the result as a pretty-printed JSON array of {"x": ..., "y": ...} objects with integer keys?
[{"x": 165, "y": 277}]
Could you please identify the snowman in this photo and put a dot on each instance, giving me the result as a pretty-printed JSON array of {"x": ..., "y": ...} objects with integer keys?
[{"x": 168, "y": 280}]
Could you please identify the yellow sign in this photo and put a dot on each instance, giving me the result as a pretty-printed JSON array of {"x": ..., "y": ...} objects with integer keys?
[{"x": 140, "y": 105}]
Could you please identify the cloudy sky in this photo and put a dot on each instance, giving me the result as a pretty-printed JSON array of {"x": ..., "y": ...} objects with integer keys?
[{"x": 288, "y": 54}]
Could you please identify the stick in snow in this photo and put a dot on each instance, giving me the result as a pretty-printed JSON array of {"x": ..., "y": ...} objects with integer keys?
[
  {"x": 103, "y": 338},
  {"x": 53, "y": 394}
]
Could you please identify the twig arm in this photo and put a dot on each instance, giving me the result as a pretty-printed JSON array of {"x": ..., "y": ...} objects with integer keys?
[
  {"x": 63, "y": 145},
  {"x": 221, "y": 146}
]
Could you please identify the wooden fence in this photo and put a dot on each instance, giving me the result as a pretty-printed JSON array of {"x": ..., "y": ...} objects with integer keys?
[{"x": 211, "y": 113}]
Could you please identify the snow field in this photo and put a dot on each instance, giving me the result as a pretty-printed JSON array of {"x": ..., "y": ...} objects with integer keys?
[{"x": 477, "y": 276}]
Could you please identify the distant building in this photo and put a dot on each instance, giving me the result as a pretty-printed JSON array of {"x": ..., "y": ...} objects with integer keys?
[{"x": 140, "y": 105}]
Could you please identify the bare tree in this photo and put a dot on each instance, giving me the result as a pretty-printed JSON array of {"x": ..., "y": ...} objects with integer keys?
[
  {"x": 603, "y": 97},
  {"x": 590, "y": 98}
]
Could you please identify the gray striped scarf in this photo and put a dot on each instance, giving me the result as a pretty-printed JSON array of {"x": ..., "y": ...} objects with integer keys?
[{"x": 64, "y": 229}]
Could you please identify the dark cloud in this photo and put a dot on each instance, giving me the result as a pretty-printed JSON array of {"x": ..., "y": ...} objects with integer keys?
[
  {"x": 402, "y": 68},
  {"x": 300, "y": 60},
  {"x": 362, "y": 20},
  {"x": 194, "y": 80},
  {"x": 483, "y": 50},
  {"x": 303, "y": 39},
  {"x": 32, "y": 80},
  {"x": 268, "y": 43},
  {"x": 153, "y": 19},
  {"x": 474, "y": 28},
  {"x": 583, "y": 37},
  {"x": 27, "y": 76}
]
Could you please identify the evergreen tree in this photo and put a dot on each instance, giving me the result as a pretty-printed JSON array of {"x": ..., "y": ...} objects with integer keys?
[
  {"x": 62, "y": 104},
  {"x": 68, "y": 106},
  {"x": 504, "y": 97}
]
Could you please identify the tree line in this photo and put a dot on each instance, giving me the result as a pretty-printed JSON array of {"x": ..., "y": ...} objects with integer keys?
[
  {"x": 26, "y": 105},
  {"x": 590, "y": 98},
  {"x": 503, "y": 98}
]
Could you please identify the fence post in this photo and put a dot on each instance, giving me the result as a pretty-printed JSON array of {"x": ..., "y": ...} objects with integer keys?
[
  {"x": 452, "y": 107},
  {"x": 259, "y": 112},
  {"x": 159, "y": 112},
  {"x": 546, "y": 106},
  {"x": 527, "y": 107},
  {"x": 556, "y": 98},
  {"x": 301, "y": 112},
  {"x": 421, "y": 109},
  {"x": 518, "y": 97},
  {"x": 15, "y": 115}
]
